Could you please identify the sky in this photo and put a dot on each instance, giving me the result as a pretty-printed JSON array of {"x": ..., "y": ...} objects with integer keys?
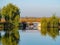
[{"x": 35, "y": 8}]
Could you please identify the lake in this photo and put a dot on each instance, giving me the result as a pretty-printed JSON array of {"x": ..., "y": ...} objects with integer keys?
[{"x": 32, "y": 37}]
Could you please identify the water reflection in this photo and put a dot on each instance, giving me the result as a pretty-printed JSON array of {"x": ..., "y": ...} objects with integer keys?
[
  {"x": 52, "y": 32},
  {"x": 11, "y": 37}
]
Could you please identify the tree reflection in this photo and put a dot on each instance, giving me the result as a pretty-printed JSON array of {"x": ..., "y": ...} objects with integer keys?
[
  {"x": 52, "y": 32},
  {"x": 11, "y": 38}
]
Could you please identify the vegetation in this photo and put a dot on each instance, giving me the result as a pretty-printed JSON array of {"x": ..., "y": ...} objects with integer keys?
[
  {"x": 11, "y": 14},
  {"x": 52, "y": 32},
  {"x": 43, "y": 22},
  {"x": 50, "y": 26},
  {"x": 11, "y": 38},
  {"x": 51, "y": 22}
]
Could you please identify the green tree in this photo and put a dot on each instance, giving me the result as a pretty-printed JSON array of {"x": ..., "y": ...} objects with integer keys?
[
  {"x": 43, "y": 22},
  {"x": 54, "y": 21},
  {"x": 11, "y": 13}
]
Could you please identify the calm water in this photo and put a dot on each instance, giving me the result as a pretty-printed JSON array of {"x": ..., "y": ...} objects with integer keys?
[{"x": 34, "y": 37}]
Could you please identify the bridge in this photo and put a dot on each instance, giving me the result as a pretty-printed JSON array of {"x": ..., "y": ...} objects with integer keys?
[{"x": 32, "y": 22}]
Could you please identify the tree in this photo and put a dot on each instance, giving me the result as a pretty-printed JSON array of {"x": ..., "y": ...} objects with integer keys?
[
  {"x": 43, "y": 22},
  {"x": 54, "y": 21},
  {"x": 11, "y": 14}
]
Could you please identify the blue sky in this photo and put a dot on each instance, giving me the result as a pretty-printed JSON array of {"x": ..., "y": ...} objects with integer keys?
[{"x": 35, "y": 8}]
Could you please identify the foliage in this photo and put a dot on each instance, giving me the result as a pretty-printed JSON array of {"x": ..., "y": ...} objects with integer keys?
[
  {"x": 11, "y": 14},
  {"x": 11, "y": 38},
  {"x": 50, "y": 26},
  {"x": 52, "y": 32},
  {"x": 43, "y": 22},
  {"x": 50, "y": 22}
]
